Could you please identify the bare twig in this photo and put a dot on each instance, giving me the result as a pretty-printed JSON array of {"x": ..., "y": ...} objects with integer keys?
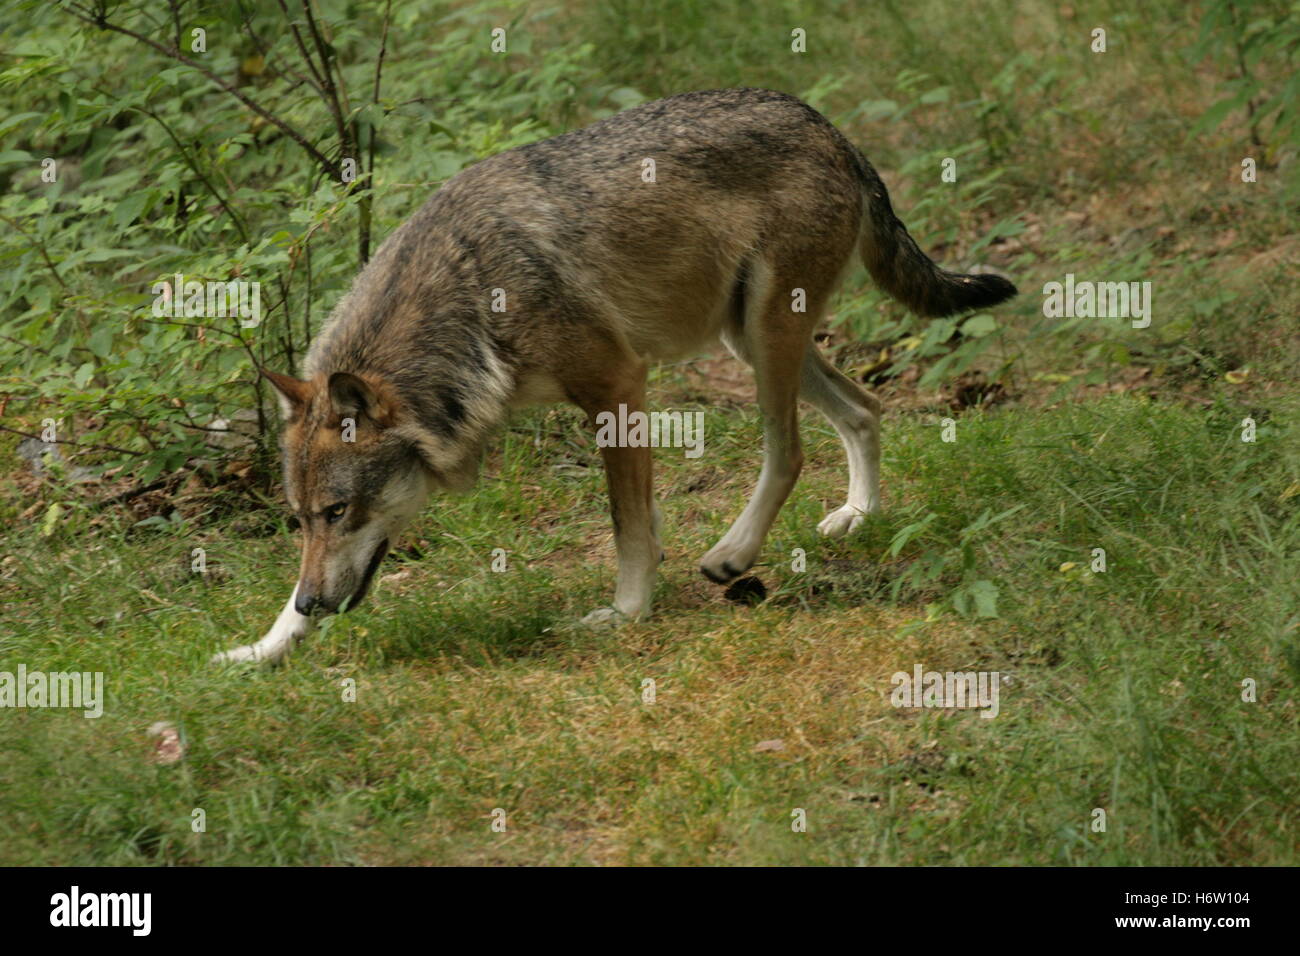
[
  {"x": 346, "y": 124},
  {"x": 74, "y": 444},
  {"x": 176, "y": 20},
  {"x": 264, "y": 50},
  {"x": 235, "y": 218},
  {"x": 383, "y": 48},
  {"x": 1251, "y": 122},
  {"x": 39, "y": 248},
  {"x": 98, "y": 19}
]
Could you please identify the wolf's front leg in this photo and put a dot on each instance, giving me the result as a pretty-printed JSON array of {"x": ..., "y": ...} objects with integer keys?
[
  {"x": 636, "y": 537},
  {"x": 284, "y": 633}
]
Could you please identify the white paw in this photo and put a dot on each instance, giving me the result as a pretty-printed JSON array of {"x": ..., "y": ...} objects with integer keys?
[
  {"x": 841, "y": 521},
  {"x": 725, "y": 562},
  {"x": 603, "y": 617},
  {"x": 236, "y": 655},
  {"x": 249, "y": 654}
]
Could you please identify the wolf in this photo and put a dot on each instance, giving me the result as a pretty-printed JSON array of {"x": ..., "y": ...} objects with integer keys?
[{"x": 560, "y": 271}]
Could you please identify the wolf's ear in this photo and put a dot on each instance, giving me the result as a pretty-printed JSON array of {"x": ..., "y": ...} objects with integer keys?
[
  {"x": 354, "y": 397},
  {"x": 294, "y": 393}
]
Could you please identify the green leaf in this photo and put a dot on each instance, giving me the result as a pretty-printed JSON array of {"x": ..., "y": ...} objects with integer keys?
[
  {"x": 101, "y": 341},
  {"x": 625, "y": 97},
  {"x": 17, "y": 118},
  {"x": 878, "y": 109},
  {"x": 103, "y": 255},
  {"x": 985, "y": 594},
  {"x": 51, "y": 519},
  {"x": 978, "y": 326},
  {"x": 129, "y": 208},
  {"x": 906, "y": 534},
  {"x": 39, "y": 298},
  {"x": 1217, "y": 113}
]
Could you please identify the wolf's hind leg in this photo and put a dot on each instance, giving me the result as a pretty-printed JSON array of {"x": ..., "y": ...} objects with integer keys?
[
  {"x": 279, "y": 640},
  {"x": 855, "y": 415},
  {"x": 773, "y": 342}
]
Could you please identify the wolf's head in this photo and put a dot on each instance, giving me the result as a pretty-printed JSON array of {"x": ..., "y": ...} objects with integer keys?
[{"x": 353, "y": 476}]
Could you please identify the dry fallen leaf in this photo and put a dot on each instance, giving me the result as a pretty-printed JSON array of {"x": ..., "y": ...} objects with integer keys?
[
  {"x": 167, "y": 750},
  {"x": 769, "y": 746},
  {"x": 396, "y": 577}
]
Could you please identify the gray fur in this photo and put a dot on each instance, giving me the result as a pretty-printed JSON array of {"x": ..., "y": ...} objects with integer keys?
[{"x": 755, "y": 195}]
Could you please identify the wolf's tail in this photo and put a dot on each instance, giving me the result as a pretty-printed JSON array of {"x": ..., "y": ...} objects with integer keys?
[{"x": 905, "y": 272}]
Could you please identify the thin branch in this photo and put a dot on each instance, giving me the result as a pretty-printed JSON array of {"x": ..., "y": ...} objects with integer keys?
[
  {"x": 306, "y": 309},
  {"x": 1251, "y": 122},
  {"x": 302, "y": 49},
  {"x": 136, "y": 492},
  {"x": 97, "y": 19},
  {"x": 345, "y": 121},
  {"x": 74, "y": 444},
  {"x": 235, "y": 218},
  {"x": 265, "y": 50},
  {"x": 39, "y": 248},
  {"x": 176, "y": 20},
  {"x": 383, "y": 48},
  {"x": 379, "y": 68},
  {"x": 328, "y": 74},
  {"x": 192, "y": 325},
  {"x": 33, "y": 345},
  {"x": 345, "y": 108},
  {"x": 190, "y": 424}
]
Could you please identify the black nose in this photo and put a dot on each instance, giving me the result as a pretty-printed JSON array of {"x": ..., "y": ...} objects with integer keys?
[{"x": 305, "y": 602}]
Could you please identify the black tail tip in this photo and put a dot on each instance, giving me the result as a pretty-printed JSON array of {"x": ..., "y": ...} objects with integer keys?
[
  {"x": 989, "y": 289},
  {"x": 966, "y": 293}
]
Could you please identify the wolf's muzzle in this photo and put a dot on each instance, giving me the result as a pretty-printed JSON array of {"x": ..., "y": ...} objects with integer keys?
[{"x": 306, "y": 603}]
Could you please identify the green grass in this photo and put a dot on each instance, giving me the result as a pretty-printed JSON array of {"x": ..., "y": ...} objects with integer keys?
[{"x": 474, "y": 690}]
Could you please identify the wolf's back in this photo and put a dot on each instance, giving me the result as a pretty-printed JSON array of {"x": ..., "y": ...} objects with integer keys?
[
  {"x": 755, "y": 141},
  {"x": 575, "y": 229}
]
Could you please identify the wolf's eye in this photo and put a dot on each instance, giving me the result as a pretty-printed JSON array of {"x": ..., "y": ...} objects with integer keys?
[{"x": 334, "y": 512}]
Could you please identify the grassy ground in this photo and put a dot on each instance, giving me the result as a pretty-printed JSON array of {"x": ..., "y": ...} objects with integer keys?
[{"x": 475, "y": 692}]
